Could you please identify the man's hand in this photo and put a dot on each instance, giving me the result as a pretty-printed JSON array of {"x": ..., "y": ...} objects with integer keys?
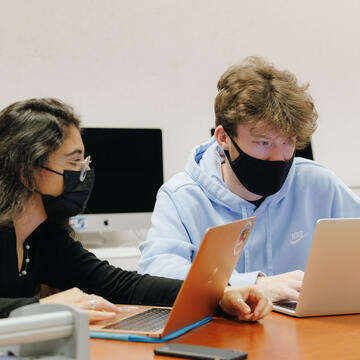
[
  {"x": 245, "y": 303},
  {"x": 281, "y": 287}
]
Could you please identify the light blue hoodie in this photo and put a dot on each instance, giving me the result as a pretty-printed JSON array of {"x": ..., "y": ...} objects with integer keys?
[{"x": 196, "y": 199}]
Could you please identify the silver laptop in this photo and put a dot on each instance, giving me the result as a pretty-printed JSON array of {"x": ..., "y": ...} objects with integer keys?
[{"x": 330, "y": 285}]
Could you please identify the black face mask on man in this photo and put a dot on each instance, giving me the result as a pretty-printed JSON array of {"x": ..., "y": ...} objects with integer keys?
[
  {"x": 261, "y": 177},
  {"x": 73, "y": 200}
]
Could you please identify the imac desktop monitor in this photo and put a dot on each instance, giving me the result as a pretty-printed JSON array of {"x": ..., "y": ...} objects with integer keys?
[{"x": 128, "y": 167}]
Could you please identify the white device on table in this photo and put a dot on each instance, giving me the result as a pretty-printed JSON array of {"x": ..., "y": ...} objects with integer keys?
[{"x": 46, "y": 331}]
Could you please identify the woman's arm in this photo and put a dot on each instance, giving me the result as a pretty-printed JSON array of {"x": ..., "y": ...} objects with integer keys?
[
  {"x": 65, "y": 264},
  {"x": 82, "y": 269}
]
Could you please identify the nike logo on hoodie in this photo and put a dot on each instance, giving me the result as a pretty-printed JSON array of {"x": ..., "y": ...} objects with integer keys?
[{"x": 296, "y": 237}]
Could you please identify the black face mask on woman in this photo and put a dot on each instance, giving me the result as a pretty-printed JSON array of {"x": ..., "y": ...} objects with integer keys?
[
  {"x": 261, "y": 177},
  {"x": 72, "y": 201}
]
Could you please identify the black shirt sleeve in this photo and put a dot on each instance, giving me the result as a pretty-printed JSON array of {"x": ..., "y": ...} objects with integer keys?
[
  {"x": 7, "y": 304},
  {"x": 66, "y": 264}
]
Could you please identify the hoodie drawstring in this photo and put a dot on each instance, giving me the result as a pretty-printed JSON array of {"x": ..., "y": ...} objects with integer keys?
[
  {"x": 246, "y": 250},
  {"x": 269, "y": 254}
]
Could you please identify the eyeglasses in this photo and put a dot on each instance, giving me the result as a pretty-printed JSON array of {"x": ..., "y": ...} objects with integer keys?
[{"x": 84, "y": 168}]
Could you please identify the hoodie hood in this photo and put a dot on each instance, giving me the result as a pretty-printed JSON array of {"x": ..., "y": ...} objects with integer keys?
[{"x": 204, "y": 167}]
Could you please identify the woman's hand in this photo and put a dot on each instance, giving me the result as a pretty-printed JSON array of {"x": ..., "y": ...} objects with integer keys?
[
  {"x": 97, "y": 307},
  {"x": 245, "y": 303}
]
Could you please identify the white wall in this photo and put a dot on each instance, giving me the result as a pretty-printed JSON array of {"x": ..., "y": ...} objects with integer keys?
[{"x": 155, "y": 63}]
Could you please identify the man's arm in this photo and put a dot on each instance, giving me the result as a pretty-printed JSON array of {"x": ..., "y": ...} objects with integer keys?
[
  {"x": 249, "y": 278},
  {"x": 168, "y": 250}
]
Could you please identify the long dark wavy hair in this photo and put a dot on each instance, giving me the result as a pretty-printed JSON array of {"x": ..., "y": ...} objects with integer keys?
[{"x": 30, "y": 130}]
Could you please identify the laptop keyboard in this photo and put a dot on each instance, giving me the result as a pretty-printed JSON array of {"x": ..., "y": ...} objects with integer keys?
[
  {"x": 150, "y": 320},
  {"x": 291, "y": 305}
]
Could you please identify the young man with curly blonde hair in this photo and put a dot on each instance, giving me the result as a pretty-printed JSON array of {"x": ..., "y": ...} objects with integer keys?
[{"x": 249, "y": 168}]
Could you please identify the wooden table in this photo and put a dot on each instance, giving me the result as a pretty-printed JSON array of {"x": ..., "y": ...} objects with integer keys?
[{"x": 275, "y": 337}]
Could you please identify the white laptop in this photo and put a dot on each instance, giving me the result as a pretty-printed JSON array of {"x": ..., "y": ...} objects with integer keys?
[{"x": 330, "y": 285}]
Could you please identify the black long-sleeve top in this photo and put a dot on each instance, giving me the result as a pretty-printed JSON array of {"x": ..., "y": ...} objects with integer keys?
[{"x": 59, "y": 261}]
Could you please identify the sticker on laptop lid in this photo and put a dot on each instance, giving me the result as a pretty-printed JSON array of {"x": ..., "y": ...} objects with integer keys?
[{"x": 240, "y": 242}]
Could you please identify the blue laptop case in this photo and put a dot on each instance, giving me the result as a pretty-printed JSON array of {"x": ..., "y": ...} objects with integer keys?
[{"x": 148, "y": 339}]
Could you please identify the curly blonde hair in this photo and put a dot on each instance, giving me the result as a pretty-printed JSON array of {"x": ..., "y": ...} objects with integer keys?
[{"x": 256, "y": 92}]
